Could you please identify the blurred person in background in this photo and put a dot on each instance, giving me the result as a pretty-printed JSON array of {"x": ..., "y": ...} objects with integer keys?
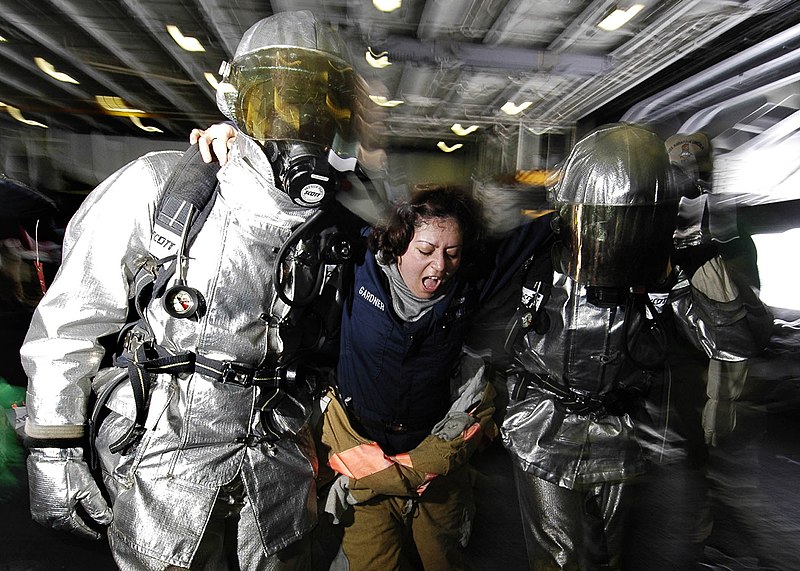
[
  {"x": 30, "y": 251},
  {"x": 733, "y": 416},
  {"x": 203, "y": 436}
]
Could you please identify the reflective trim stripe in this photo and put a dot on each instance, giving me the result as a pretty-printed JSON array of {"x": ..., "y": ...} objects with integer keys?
[
  {"x": 404, "y": 459},
  {"x": 367, "y": 459},
  {"x": 360, "y": 461},
  {"x": 470, "y": 432}
]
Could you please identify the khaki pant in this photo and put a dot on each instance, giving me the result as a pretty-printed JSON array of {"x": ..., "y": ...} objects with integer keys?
[{"x": 392, "y": 533}]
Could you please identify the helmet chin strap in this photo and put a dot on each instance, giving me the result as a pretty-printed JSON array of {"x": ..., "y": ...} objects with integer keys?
[{"x": 302, "y": 171}]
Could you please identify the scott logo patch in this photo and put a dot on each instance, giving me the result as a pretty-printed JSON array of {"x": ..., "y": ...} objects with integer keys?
[
  {"x": 312, "y": 194},
  {"x": 163, "y": 241}
]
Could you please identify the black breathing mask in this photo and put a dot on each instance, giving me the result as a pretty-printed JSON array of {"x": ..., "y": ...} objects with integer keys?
[{"x": 302, "y": 171}]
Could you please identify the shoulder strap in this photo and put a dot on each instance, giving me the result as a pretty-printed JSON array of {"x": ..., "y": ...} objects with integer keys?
[
  {"x": 191, "y": 184},
  {"x": 188, "y": 193},
  {"x": 184, "y": 205},
  {"x": 187, "y": 199}
]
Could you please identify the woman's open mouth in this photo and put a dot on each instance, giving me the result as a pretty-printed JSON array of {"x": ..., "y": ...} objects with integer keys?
[{"x": 431, "y": 283}]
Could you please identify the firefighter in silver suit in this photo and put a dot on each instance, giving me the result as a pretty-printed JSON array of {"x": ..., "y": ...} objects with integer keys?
[
  {"x": 594, "y": 328},
  {"x": 203, "y": 441}
]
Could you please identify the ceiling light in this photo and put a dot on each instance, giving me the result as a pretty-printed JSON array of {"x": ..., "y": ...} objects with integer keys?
[
  {"x": 443, "y": 146},
  {"x": 511, "y": 109},
  {"x": 2, "y": 39},
  {"x": 387, "y": 5},
  {"x": 211, "y": 79},
  {"x": 17, "y": 114},
  {"x": 138, "y": 122},
  {"x": 379, "y": 61},
  {"x": 187, "y": 43},
  {"x": 619, "y": 18},
  {"x": 461, "y": 131},
  {"x": 115, "y": 104},
  {"x": 383, "y": 102},
  {"x": 48, "y": 68}
]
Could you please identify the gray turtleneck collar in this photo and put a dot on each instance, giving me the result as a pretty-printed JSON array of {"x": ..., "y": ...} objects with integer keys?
[{"x": 406, "y": 305}]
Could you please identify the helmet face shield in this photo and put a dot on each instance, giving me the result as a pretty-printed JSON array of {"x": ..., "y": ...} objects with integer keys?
[
  {"x": 614, "y": 246},
  {"x": 292, "y": 93},
  {"x": 618, "y": 203}
]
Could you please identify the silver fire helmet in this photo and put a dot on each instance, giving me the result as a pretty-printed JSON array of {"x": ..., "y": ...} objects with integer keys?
[
  {"x": 617, "y": 201},
  {"x": 290, "y": 79}
]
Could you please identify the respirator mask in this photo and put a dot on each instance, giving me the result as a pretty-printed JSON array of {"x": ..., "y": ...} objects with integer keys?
[{"x": 302, "y": 171}]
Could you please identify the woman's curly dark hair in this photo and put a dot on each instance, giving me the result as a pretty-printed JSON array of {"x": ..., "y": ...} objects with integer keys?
[{"x": 390, "y": 241}]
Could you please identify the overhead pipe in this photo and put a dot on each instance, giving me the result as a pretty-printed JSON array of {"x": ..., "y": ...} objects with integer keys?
[
  {"x": 664, "y": 103},
  {"x": 646, "y": 55},
  {"x": 493, "y": 57}
]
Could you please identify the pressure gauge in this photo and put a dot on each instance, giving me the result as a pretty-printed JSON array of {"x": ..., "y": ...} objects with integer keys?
[{"x": 184, "y": 302}]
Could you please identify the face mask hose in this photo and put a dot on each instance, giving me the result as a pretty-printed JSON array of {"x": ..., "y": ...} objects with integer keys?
[{"x": 334, "y": 248}]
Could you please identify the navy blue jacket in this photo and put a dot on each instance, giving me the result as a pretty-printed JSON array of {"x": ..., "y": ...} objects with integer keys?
[{"x": 394, "y": 376}]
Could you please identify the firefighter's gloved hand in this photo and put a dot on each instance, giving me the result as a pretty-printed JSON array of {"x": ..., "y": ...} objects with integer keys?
[
  {"x": 339, "y": 498},
  {"x": 725, "y": 385},
  {"x": 713, "y": 281},
  {"x": 452, "y": 425},
  {"x": 59, "y": 480}
]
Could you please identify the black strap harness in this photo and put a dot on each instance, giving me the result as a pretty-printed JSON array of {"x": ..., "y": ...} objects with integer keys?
[
  {"x": 187, "y": 200},
  {"x": 615, "y": 402},
  {"x": 144, "y": 359}
]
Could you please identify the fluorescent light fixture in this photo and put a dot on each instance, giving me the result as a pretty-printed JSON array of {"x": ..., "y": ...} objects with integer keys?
[
  {"x": 211, "y": 79},
  {"x": 48, "y": 68},
  {"x": 17, "y": 114},
  {"x": 2, "y": 39},
  {"x": 387, "y": 5},
  {"x": 461, "y": 131},
  {"x": 619, "y": 18},
  {"x": 138, "y": 122},
  {"x": 383, "y": 102},
  {"x": 115, "y": 104},
  {"x": 511, "y": 108},
  {"x": 443, "y": 147},
  {"x": 379, "y": 61},
  {"x": 187, "y": 43}
]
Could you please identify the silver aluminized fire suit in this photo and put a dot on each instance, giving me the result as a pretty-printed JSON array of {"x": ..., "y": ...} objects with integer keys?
[
  {"x": 554, "y": 446},
  {"x": 597, "y": 326},
  {"x": 200, "y": 434}
]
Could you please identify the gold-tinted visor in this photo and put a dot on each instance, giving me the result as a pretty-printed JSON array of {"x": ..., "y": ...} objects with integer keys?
[{"x": 293, "y": 93}]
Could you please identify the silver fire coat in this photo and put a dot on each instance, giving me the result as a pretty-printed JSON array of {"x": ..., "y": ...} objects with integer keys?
[
  {"x": 200, "y": 434},
  {"x": 583, "y": 349}
]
